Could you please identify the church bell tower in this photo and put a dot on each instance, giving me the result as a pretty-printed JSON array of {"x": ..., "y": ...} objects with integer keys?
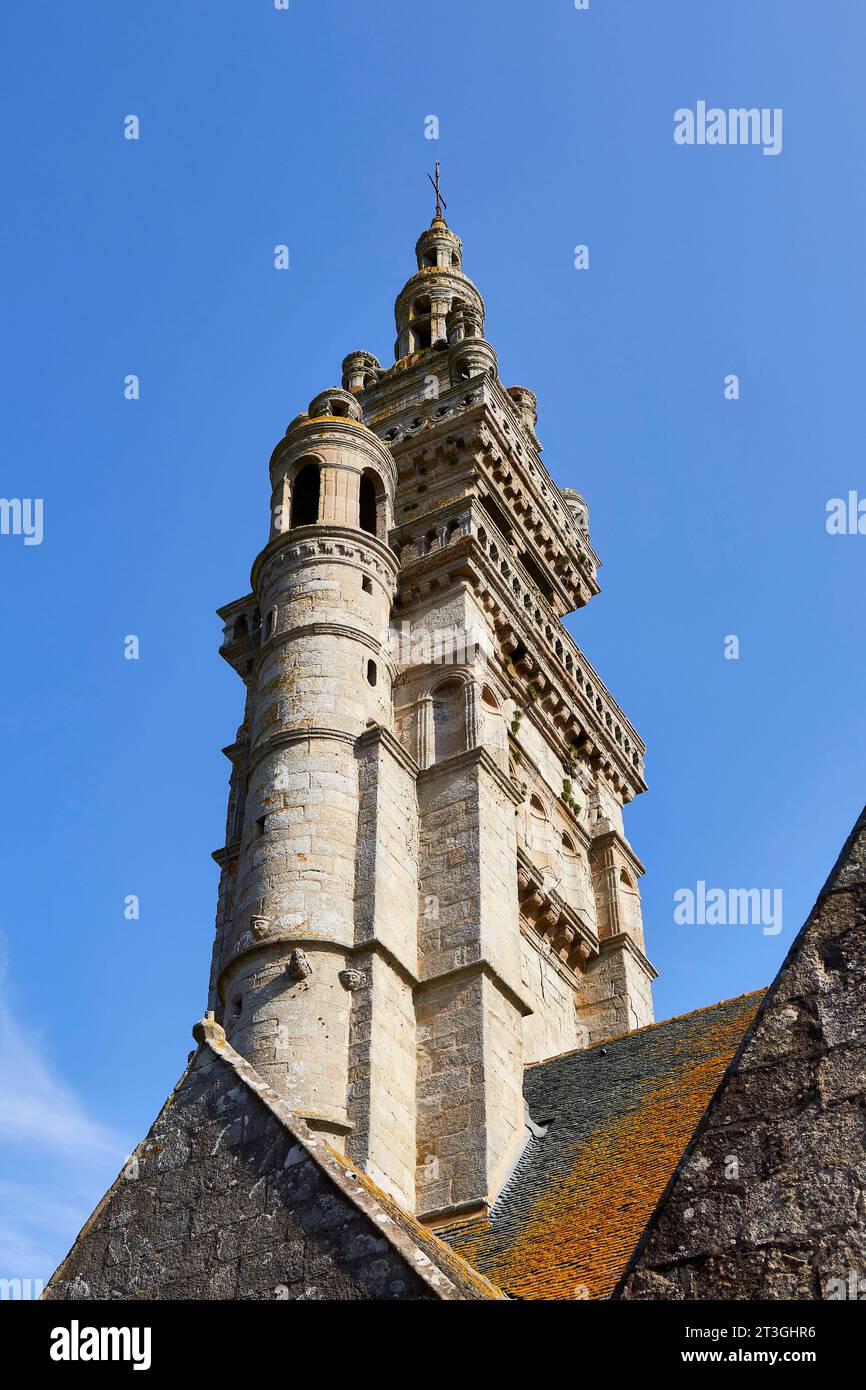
[{"x": 426, "y": 884}]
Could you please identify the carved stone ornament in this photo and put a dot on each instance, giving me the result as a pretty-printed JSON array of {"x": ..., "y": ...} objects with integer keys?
[{"x": 299, "y": 967}]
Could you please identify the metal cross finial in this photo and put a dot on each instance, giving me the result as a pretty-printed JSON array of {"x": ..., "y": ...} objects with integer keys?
[{"x": 440, "y": 201}]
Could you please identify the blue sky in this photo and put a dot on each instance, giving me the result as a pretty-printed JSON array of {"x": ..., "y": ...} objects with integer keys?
[{"x": 155, "y": 257}]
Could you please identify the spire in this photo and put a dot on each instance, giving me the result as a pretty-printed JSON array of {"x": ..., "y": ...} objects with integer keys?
[
  {"x": 440, "y": 201},
  {"x": 437, "y": 289}
]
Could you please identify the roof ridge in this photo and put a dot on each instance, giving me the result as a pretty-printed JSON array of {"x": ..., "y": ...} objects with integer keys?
[
  {"x": 848, "y": 875},
  {"x": 449, "y": 1256},
  {"x": 399, "y": 1227},
  {"x": 658, "y": 1023},
  {"x": 849, "y": 869}
]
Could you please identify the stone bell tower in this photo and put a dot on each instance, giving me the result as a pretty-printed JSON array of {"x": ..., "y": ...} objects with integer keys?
[{"x": 426, "y": 883}]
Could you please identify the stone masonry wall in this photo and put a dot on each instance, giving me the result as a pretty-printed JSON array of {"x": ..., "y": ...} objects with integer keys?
[
  {"x": 470, "y": 1063},
  {"x": 224, "y": 1200},
  {"x": 616, "y": 996},
  {"x": 382, "y": 1077},
  {"x": 552, "y": 1027},
  {"x": 769, "y": 1199},
  {"x": 382, "y": 1038}
]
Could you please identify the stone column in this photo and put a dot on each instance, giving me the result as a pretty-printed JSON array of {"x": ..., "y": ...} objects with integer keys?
[
  {"x": 339, "y": 503},
  {"x": 425, "y": 731},
  {"x": 473, "y": 722},
  {"x": 283, "y": 520},
  {"x": 439, "y": 311}
]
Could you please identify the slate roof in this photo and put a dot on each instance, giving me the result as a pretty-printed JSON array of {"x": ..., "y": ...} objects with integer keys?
[{"x": 619, "y": 1116}]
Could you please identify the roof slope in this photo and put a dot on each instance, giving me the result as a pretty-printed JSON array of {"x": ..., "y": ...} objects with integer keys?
[
  {"x": 768, "y": 1199},
  {"x": 231, "y": 1196},
  {"x": 619, "y": 1116}
]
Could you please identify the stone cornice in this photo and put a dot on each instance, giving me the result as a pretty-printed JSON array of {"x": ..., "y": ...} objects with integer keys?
[
  {"x": 485, "y": 415},
  {"x": 236, "y": 608},
  {"x": 474, "y": 757},
  {"x": 558, "y": 924},
  {"x": 563, "y": 696},
  {"x": 322, "y": 539},
  {"x": 570, "y": 593},
  {"x": 552, "y": 697},
  {"x": 276, "y": 943},
  {"x": 449, "y": 280},
  {"x": 236, "y": 752},
  {"x": 484, "y": 967},
  {"x": 228, "y": 854},
  {"x": 385, "y": 739},
  {"x": 621, "y": 941},
  {"x": 612, "y": 838},
  {"x": 286, "y": 737},
  {"x": 355, "y": 634},
  {"x": 376, "y": 946}
]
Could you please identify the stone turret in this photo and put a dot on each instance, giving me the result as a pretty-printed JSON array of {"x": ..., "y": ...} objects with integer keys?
[
  {"x": 360, "y": 369},
  {"x": 321, "y": 675},
  {"x": 437, "y": 290},
  {"x": 578, "y": 508}
]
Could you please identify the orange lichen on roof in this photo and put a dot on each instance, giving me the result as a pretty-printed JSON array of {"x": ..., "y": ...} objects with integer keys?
[
  {"x": 450, "y": 1261},
  {"x": 590, "y": 1197}
]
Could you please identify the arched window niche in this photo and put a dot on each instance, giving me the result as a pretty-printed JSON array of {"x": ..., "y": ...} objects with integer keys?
[
  {"x": 306, "y": 492},
  {"x": 494, "y": 735},
  {"x": 373, "y": 505},
  {"x": 448, "y": 720},
  {"x": 538, "y": 840}
]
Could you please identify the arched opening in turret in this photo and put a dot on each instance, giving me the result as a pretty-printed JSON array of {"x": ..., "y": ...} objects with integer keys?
[
  {"x": 368, "y": 504},
  {"x": 372, "y": 509},
  {"x": 305, "y": 496}
]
